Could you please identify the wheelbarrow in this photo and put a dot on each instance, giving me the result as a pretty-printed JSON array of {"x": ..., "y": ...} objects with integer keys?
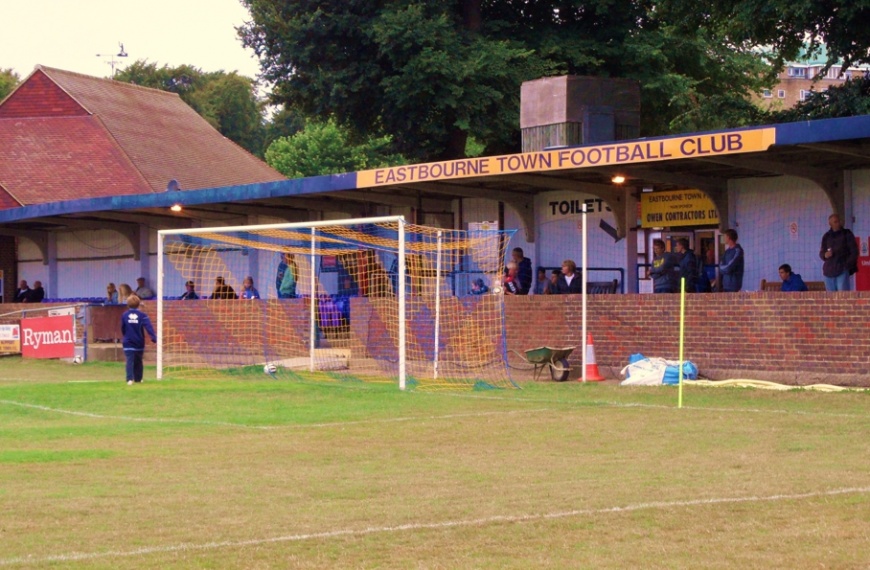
[{"x": 556, "y": 359}]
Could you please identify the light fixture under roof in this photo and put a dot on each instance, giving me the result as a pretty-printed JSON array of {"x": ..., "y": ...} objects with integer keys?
[
  {"x": 618, "y": 179},
  {"x": 175, "y": 207}
]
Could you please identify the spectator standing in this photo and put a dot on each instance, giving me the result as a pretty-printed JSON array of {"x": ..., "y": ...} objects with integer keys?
[
  {"x": 285, "y": 279},
  {"x": 524, "y": 270},
  {"x": 189, "y": 292},
  {"x": 732, "y": 263},
  {"x": 142, "y": 289},
  {"x": 111, "y": 294},
  {"x": 37, "y": 294},
  {"x": 791, "y": 281},
  {"x": 124, "y": 292},
  {"x": 22, "y": 294},
  {"x": 569, "y": 283},
  {"x": 707, "y": 275},
  {"x": 222, "y": 290},
  {"x": 688, "y": 265},
  {"x": 840, "y": 255},
  {"x": 134, "y": 325},
  {"x": 248, "y": 289},
  {"x": 665, "y": 269}
]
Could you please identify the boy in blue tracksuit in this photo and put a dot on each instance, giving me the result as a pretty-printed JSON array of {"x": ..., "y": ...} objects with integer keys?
[{"x": 134, "y": 325}]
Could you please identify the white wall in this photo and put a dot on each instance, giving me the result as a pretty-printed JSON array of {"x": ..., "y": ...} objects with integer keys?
[{"x": 779, "y": 220}]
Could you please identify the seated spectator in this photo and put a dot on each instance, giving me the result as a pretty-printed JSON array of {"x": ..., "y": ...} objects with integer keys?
[
  {"x": 111, "y": 294},
  {"x": 791, "y": 281},
  {"x": 142, "y": 290},
  {"x": 222, "y": 290},
  {"x": 478, "y": 287},
  {"x": 542, "y": 284},
  {"x": 348, "y": 287},
  {"x": 23, "y": 292},
  {"x": 512, "y": 285},
  {"x": 189, "y": 292},
  {"x": 124, "y": 291},
  {"x": 569, "y": 282},
  {"x": 37, "y": 294},
  {"x": 248, "y": 289},
  {"x": 554, "y": 282}
]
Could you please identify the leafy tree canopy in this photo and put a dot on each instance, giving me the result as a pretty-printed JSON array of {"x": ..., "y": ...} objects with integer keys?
[
  {"x": 9, "y": 80},
  {"x": 325, "y": 148},
  {"x": 432, "y": 73},
  {"x": 226, "y": 100}
]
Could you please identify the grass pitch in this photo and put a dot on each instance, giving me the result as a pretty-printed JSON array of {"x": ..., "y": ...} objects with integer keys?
[{"x": 258, "y": 473}]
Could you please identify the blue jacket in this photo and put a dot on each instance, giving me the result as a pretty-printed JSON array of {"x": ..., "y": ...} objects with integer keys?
[
  {"x": 524, "y": 275},
  {"x": 251, "y": 293},
  {"x": 731, "y": 269},
  {"x": 665, "y": 272},
  {"x": 794, "y": 283},
  {"x": 689, "y": 270},
  {"x": 134, "y": 325}
]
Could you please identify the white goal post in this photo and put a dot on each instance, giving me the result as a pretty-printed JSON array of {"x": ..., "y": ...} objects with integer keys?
[{"x": 368, "y": 299}]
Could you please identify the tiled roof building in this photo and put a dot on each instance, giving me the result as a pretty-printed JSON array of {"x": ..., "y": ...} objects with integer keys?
[{"x": 65, "y": 136}]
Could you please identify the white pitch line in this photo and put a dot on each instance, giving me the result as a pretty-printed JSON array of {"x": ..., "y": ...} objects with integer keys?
[
  {"x": 496, "y": 519},
  {"x": 278, "y": 427},
  {"x": 600, "y": 404}
]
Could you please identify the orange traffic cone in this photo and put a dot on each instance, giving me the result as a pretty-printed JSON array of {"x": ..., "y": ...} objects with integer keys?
[{"x": 592, "y": 373}]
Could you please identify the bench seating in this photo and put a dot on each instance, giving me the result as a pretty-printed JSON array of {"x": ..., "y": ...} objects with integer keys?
[
  {"x": 776, "y": 285},
  {"x": 598, "y": 287}
]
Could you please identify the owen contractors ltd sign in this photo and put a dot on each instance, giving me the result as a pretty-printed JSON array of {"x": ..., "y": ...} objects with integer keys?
[{"x": 48, "y": 337}]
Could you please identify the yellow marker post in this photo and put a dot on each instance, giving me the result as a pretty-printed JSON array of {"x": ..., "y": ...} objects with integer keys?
[{"x": 682, "y": 329}]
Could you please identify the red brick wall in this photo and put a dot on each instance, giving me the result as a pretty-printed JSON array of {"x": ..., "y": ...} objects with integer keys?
[
  {"x": 795, "y": 338},
  {"x": 798, "y": 338},
  {"x": 39, "y": 96}
]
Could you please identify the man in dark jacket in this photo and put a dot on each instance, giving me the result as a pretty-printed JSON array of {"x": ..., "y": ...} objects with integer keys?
[
  {"x": 840, "y": 255},
  {"x": 37, "y": 294},
  {"x": 688, "y": 265},
  {"x": 524, "y": 270},
  {"x": 665, "y": 269}
]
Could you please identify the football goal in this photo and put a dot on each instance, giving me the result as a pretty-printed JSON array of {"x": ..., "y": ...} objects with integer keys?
[{"x": 375, "y": 300}]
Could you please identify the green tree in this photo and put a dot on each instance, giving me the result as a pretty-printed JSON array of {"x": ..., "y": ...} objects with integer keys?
[
  {"x": 325, "y": 148},
  {"x": 226, "y": 100},
  {"x": 423, "y": 73},
  {"x": 9, "y": 80},
  {"x": 432, "y": 73},
  {"x": 787, "y": 27}
]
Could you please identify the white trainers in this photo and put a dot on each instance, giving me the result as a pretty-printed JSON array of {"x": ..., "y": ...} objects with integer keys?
[{"x": 129, "y": 382}]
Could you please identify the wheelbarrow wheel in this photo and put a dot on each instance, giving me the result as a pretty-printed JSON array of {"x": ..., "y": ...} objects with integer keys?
[{"x": 559, "y": 370}]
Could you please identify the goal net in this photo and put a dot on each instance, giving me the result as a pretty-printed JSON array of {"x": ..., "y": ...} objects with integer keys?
[{"x": 375, "y": 300}]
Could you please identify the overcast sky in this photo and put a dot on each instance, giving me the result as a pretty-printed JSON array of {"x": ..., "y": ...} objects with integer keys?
[{"x": 68, "y": 34}]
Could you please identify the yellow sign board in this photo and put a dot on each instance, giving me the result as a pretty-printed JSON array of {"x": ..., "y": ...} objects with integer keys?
[
  {"x": 10, "y": 339},
  {"x": 612, "y": 154},
  {"x": 677, "y": 208}
]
